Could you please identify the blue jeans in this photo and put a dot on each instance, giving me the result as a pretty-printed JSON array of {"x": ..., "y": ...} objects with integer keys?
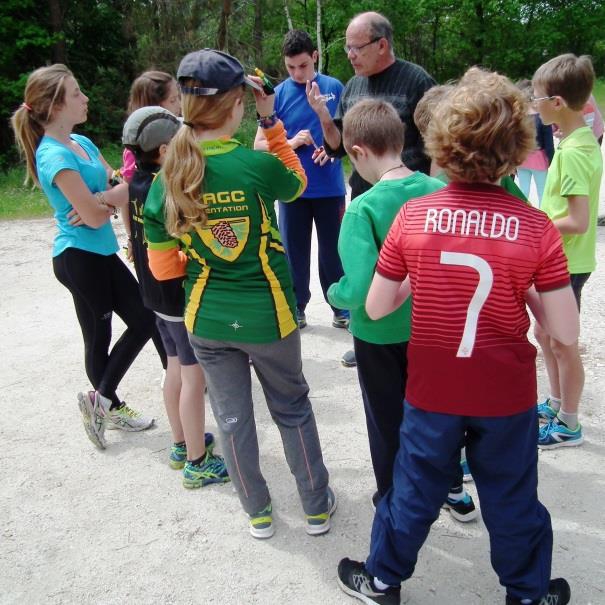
[{"x": 503, "y": 456}]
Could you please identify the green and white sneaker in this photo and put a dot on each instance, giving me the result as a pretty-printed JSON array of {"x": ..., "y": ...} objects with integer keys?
[
  {"x": 178, "y": 452},
  {"x": 261, "y": 523},
  {"x": 94, "y": 409},
  {"x": 125, "y": 418},
  {"x": 212, "y": 470},
  {"x": 320, "y": 524}
]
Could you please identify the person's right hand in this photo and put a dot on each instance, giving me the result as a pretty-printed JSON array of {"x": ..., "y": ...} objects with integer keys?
[
  {"x": 302, "y": 137},
  {"x": 317, "y": 101},
  {"x": 264, "y": 102}
]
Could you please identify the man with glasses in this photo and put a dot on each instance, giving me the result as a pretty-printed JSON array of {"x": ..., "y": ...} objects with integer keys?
[{"x": 378, "y": 74}]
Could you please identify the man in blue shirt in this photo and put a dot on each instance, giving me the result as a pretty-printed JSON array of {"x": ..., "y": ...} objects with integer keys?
[{"x": 323, "y": 201}]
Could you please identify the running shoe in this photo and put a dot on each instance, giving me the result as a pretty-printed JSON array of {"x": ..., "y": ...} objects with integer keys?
[
  {"x": 178, "y": 452},
  {"x": 545, "y": 412},
  {"x": 212, "y": 470},
  {"x": 559, "y": 593},
  {"x": 354, "y": 579},
  {"x": 348, "y": 360},
  {"x": 261, "y": 523},
  {"x": 340, "y": 319},
  {"x": 301, "y": 318},
  {"x": 125, "y": 418},
  {"x": 462, "y": 509},
  {"x": 320, "y": 524},
  {"x": 93, "y": 413},
  {"x": 557, "y": 434}
]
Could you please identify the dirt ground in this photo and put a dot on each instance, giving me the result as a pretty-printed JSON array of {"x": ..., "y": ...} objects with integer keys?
[{"x": 82, "y": 526}]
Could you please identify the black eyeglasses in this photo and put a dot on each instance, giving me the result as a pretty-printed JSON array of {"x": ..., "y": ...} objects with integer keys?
[{"x": 355, "y": 49}]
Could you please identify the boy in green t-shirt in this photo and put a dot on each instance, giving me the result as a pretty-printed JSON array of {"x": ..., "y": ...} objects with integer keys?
[
  {"x": 373, "y": 138},
  {"x": 571, "y": 199}
]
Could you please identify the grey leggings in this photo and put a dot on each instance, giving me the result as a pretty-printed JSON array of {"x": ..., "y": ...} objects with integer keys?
[{"x": 278, "y": 366}]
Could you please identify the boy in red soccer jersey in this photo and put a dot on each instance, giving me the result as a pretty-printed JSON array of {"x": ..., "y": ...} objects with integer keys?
[{"x": 471, "y": 251}]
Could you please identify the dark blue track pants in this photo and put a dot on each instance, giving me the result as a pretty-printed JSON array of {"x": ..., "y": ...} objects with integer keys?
[
  {"x": 296, "y": 227},
  {"x": 502, "y": 453}
]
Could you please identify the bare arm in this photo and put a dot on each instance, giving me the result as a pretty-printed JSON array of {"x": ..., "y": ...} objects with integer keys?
[
  {"x": 318, "y": 104},
  {"x": 578, "y": 218},
  {"x": 561, "y": 313},
  {"x": 386, "y": 295},
  {"x": 260, "y": 141},
  {"x": 86, "y": 204}
]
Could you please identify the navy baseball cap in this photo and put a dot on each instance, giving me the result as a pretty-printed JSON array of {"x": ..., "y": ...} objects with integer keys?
[{"x": 216, "y": 71}]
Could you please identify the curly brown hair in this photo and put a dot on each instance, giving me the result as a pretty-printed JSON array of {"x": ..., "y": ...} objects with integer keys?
[{"x": 481, "y": 130}]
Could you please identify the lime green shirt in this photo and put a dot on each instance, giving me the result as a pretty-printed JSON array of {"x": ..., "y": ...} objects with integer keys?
[
  {"x": 576, "y": 169},
  {"x": 237, "y": 285},
  {"x": 363, "y": 230}
]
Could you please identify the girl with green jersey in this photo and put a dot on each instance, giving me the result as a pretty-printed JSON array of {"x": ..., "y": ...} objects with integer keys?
[{"x": 211, "y": 218}]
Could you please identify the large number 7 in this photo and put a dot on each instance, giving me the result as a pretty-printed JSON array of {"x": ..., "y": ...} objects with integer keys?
[{"x": 486, "y": 279}]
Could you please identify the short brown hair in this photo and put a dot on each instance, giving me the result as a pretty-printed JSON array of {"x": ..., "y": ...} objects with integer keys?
[
  {"x": 426, "y": 105},
  {"x": 374, "y": 124},
  {"x": 569, "y": 77},
  {"x": 481, "y": 130}
]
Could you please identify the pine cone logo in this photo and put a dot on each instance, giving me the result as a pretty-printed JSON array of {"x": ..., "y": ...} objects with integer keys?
[{"x": 225, "y": 235}]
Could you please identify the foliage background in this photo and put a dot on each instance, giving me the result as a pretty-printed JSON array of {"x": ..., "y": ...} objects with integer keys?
[{"x": 107, "y": 43}]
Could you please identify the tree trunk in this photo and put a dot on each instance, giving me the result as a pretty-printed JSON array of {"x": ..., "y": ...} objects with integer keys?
[
  {"x": 258, "y": 31},
  {"x": 221, "y": 41},
  {"x": 319, "y": 41},
  {"x": 59, "y": 54},
  {"x": 288, "y": 17}
]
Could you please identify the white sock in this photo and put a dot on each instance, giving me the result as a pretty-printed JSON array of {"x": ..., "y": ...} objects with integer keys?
[
  {"x": 570, "y": 420},
  {"x": 380, "y": 585},
  {"x": 456, "y": 495},
  {"x": 554, "y": 403}
]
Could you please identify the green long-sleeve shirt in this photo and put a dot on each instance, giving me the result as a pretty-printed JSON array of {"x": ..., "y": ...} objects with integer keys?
[{"x": 364, "y": 228}]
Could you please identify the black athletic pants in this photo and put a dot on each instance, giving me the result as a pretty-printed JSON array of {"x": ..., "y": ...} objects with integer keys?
[
  {"x": 101, "y": 285},
  {"x": 382, "y": 372}
]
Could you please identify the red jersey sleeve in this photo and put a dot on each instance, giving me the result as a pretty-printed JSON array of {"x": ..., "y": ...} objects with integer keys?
[
  {"x": 552, "y": 272},
  {"x": 391, "y": 263}
]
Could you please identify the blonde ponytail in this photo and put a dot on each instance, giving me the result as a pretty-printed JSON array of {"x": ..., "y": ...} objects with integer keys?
[
  {"x": 184, "y": 166},
  {"x": 45, "y": 90}
]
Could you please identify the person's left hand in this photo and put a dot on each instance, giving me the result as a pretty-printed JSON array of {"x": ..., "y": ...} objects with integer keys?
[
  {"x": 74, "y": 218},
  {"x": 320, "y": 156}
]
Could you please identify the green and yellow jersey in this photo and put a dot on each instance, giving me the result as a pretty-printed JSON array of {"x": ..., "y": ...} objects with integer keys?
[{"x": 238, "y": 285}]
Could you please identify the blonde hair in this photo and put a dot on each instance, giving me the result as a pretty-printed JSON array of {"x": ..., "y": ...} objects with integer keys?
[
  {"x": 481, "y": 130},
  {"x": 425, "y": 107},
  {"x": 44, "y": 90},
  {"x": 569, "y": 77},
  {"x": 374, "y": 124},
  {"x": 184, "y": 165},
  {"x": 150, "y": 88}
]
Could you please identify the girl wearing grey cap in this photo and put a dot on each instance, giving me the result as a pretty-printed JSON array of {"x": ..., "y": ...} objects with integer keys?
[
  {"x": 74, "y": 176},
  {"x": 212, "y": 219}
]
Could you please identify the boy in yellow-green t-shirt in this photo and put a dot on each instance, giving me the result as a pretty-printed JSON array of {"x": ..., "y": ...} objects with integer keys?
[{"x": 571, "y": 199}]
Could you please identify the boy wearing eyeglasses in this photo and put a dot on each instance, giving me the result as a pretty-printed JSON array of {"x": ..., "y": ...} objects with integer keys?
[{"x": 571, "y": 199}]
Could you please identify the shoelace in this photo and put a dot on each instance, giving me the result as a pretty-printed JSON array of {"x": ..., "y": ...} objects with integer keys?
[{"x": 128, "y": 411}]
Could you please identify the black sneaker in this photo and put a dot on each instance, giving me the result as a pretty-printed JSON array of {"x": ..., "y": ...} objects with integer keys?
[
  {"x": 462, "y": 510},
  {"x": 348, "y": 359},
  {"x": 357, "y": 582},
  {"x": 301, "y": 318},
  {"x": 375, "y": 500},
  {"x": 340, "y": 319},
  {"x": 559, "y": 593}
]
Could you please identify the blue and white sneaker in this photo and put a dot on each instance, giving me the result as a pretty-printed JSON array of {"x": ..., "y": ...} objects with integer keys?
[
  {"x": 545, "y": 412},
  {"x": 557, "y": 434},
  {"x": 466, "y": 471}
]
